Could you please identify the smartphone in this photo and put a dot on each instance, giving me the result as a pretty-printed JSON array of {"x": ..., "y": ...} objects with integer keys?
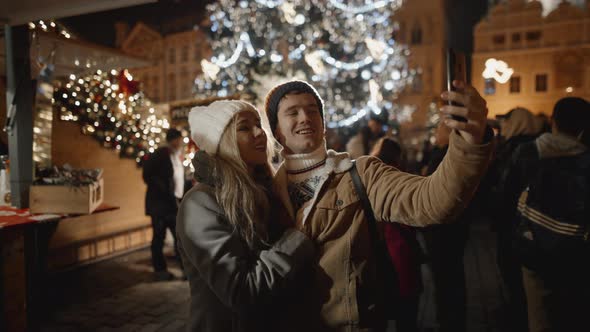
[{"x": 456, "y": 70}]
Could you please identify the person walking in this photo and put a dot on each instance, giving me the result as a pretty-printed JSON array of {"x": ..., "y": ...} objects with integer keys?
[{"x": 163, "y": 173}]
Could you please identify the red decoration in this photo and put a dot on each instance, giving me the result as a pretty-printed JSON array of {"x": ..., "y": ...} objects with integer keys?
[{"x": 127, "y": 86}]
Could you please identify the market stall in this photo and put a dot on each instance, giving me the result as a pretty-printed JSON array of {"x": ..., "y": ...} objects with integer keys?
[{"x": 29, "y": 62}]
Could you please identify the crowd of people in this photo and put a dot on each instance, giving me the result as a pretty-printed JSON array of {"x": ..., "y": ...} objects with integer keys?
[{"x": 329, "y": 240}]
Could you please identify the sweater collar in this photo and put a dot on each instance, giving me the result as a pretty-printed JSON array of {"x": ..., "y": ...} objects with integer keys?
[{"x": 304, "y": 162}]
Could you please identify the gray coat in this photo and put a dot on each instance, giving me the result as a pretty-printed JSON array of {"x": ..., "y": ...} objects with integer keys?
[{"x": 232, "y": 287}]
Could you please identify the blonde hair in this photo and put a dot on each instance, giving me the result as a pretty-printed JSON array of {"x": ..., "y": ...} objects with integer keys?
[{"x": 242, "y": 197}]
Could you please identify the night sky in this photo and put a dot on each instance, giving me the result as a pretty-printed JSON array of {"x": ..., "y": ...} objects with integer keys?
[{"x": 99, "y": 27}]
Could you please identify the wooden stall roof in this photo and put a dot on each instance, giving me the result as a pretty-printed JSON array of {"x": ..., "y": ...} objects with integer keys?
[{"x": 23, "y": 11}]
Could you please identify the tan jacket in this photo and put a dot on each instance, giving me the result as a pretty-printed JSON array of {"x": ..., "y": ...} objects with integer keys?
[{"x": 341, "y": 294}]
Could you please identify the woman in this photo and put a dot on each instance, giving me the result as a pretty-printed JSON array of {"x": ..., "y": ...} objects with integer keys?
[{"x": 235, "y": 264}]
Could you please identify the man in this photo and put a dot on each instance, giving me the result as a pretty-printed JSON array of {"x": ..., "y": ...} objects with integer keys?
[
  {"x": 445, "y": 245},
  {"x": 362, "y": 143},
  {"x": 548, "y": 182},
  {"x": 163, "y": 173},
  {"x": 315, "y": 185}
]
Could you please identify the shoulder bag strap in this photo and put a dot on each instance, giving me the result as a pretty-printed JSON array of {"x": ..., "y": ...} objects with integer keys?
[{"x": 362, "y": 194}]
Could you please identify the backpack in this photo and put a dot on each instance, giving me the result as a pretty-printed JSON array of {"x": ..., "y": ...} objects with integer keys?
[
  {"x": 551, "y": 236},
  {"x": 396, "y": 253}
]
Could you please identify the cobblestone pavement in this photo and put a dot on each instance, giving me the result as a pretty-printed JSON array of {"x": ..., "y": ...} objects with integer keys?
[
  {"x": 121, "y": 295},
  {"x": 117, "y": 295}
]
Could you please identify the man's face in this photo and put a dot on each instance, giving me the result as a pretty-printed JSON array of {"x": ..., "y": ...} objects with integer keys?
[
  {"x": 300, "y": 127},
  {"x": 375, "y": 127},
  {"x": 175, "y": 145}
]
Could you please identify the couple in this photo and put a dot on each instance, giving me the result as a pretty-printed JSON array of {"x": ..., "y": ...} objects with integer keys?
[{"x": 290, "y": 251}]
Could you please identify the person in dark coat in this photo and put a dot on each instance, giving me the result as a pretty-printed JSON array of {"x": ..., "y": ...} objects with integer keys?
[
  {"x": 362, "y": 143},
  {"x": 164, "y": 175},
  {"x": 445, "y": 247},
  {"x": 518, "y": 126},
  {"x": 555, "y": 292}
]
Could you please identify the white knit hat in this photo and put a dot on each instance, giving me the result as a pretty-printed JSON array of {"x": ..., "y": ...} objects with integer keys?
[{"x": 209, "y": 122}]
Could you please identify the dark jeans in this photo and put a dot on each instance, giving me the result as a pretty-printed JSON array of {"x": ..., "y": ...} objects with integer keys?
[
  {"x": 511, "y": 273},
  {"x": 408, "y": 315},
  {"x": 159, "y": 226},
  {"x": 556, "y": 304},
  {"x": 445, "y": 245}
]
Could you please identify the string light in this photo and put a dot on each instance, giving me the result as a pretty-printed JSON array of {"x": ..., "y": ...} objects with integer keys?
[
  {"x": 53, "y": 27},
  {"x": 114, "y": 119},
  {"x": 497, "y": 70},
  {"x": 270, "y": 3},
  {"x": 361, "y": 9},
  {"x": 331, "y": 49}
]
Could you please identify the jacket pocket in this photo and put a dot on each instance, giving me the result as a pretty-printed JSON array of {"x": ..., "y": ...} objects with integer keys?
[
  {"x": 334, "y": 215},
  {"x": 338, "y": 201}
]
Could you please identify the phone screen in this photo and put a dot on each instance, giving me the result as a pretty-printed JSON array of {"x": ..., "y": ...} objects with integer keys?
[{"x": 456, "y": 70}]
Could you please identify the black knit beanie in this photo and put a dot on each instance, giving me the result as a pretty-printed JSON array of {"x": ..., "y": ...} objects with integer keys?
[
  {"x": 172, "y": 134},
  {"x": 273, "y": 98}
]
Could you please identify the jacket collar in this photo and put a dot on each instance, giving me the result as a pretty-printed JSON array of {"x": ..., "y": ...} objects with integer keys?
[
  {"x": 337, "y": 162},
  {"x": 279, "y": 184},
  {"x": 557, "y": 145}
]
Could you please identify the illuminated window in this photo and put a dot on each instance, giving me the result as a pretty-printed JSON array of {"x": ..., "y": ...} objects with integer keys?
[
  {"x": 417, "y": 83},
  {"x": 185, "y": 83},
  {"x": 171, "y": 87},
  {"x": 171, "y": 56},
  {"x": 499, "y": 39},
  {"x": 516, "y": 37},
  {"x": 416, "y": 37},
  {"x": 533, "y": 35},
  {"x": 541, "y": 82},
  {"x": 145, "y": 82},
  {"x": 197, "y": 53},
  {"x": 515, "y": 84},
  {"x": 489, "y": 86}
]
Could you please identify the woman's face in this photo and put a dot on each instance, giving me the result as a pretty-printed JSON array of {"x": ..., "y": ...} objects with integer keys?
[{"x": 251, "y": 139}]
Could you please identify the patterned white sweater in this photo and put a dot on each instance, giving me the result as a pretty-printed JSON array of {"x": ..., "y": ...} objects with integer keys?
[{"x": 304, "y": 175}]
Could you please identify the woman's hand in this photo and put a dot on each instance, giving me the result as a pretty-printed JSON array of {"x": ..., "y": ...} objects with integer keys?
[{"x": 300, "y": 227}]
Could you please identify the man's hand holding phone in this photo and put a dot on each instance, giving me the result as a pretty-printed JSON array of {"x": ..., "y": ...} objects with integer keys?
[{"x": 473, "y": 110}]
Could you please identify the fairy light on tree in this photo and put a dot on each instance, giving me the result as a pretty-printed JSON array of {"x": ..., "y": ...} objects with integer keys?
[
  {"x": 110, "y": 107},
  {"x": 344, "y": 48}
]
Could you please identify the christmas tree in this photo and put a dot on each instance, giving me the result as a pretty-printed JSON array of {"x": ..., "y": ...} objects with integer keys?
[
  {"x": 344, "y": 48},
  {"x": 110, "y": 107}
]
